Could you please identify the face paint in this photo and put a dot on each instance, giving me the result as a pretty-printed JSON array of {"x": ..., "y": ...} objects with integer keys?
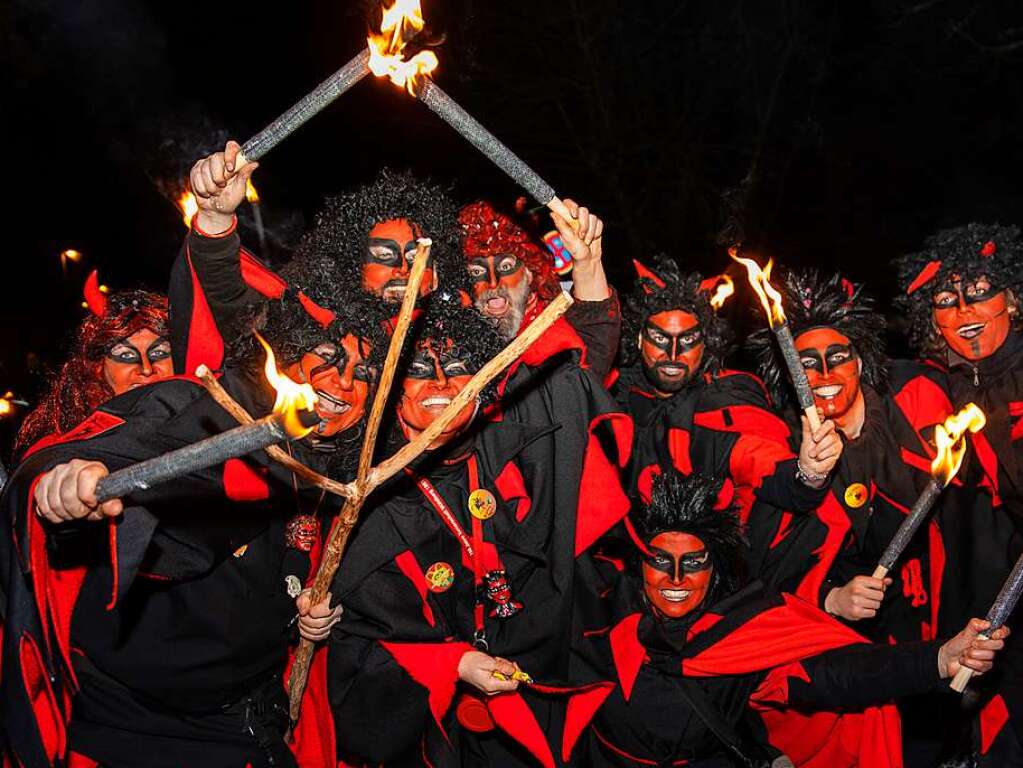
[
  {"x": 677, "y": 574},
  {"x": 142, "y": 358},
  {"x": 342, "y": 380},
  {"x": 500, "y": 289},
  {"x": 432, "y": 381},
  {"x": 392, "y": 249},
  {"x": 833, "y": 371},
  {"x": 671, "y": 347},
  {"x": 973, "y": 319}
]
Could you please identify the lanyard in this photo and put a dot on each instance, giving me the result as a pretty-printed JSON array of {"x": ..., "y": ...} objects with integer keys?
[{"x": 473, "y": 547}]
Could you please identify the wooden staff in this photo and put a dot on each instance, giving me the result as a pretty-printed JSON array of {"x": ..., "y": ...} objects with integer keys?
[{"x": 363, "y": 487}]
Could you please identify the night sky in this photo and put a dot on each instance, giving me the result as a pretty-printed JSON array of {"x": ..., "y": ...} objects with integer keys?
[{"x": 829, "y": 133}]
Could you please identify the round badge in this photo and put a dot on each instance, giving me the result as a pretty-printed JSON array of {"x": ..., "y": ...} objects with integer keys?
[
  {"x": 439, "y": 577},
  {"x": 856, "y": 495},
  {"x": 293, "y": 585},
  {"x": 482, "y": 504}
]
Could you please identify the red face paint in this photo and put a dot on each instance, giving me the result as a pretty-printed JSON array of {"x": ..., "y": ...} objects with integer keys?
[
  {"x": 342, "y": 380},
  {"x": 433, "y": 379},
  {"x": 676, "y": 574},
  {"x": 833, "y": 370},
  {"x": 671, "y": 347},
  {"x": 500, "y": 289},
  {"x": 973, "y": 319},
  {"x": 139, "y": 359},
  {"x": 392, "y": 249}
]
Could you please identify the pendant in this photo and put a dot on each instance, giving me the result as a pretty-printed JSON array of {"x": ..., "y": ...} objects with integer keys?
[
  {"x": 500, "y": 594},
  {"x": 439, "y": 577},
  {"x": 482, "y": 504},
  {"x": 293, "y": 584},
  {"x": 301, "y": 532}
]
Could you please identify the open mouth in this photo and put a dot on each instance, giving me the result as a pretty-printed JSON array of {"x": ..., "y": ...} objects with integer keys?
[
  {"x": 435, "y": 403},
  {"x": 394, "y": 293},
  {"x": 496, "y": 306},
  {"x": 675, "y": 595},
  {"x": 828, "y": 392},
  {"x": 672, "y": 371},
  {"x": 330, "y": 406},
  {"x": 971, "y": 330}
]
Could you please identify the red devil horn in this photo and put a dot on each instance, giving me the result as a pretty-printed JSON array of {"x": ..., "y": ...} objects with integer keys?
[
  {"x": 322, "y": 315},
  {"x": 647, "y": 274},
  {"x": 710, "y": 283},
  {"x": 95, "y": 299}
]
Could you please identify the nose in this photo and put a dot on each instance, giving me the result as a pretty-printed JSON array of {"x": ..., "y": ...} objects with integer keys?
[
  {"x": 679, "y": 572},
  {"x": 962, "y": 300},
  {"x": 491, "y": 274},
  {"x": 403, "y": 269},
  {"x": 438, "y": 374},
  {"x": 145, "y": 367},
  {"x": 674, "y": 349}
]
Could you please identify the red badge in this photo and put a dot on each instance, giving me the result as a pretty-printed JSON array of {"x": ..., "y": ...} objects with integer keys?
[{"x": 439, "y": 577}]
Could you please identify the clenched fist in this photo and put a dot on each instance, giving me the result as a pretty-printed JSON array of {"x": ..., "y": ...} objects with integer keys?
[
  {"x": 819, "y": 451},
  {"x": 68, "y": 492},
  {"x": 859, "y": 599},
  {"x": 219, "y": 187}
]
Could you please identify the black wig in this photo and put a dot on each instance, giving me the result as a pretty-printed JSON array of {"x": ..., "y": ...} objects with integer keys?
[
  {"x": 975, "y": 250},
  {"x": 812, "y": 300}
]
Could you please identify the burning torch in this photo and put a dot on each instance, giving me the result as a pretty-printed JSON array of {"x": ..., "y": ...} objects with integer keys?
[
  {"x": 770, "y": 298},
  {"x": 293, "y": 417},
  {"x": 950, "y": 441},
  {"x": 257, "y": 214}
]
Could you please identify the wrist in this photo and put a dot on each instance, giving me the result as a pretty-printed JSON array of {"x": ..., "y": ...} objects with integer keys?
[
  {"x": 808, "y": 477},
  {"x": 831, "y": 602},
  {"x": 214, "y": 224},
  {"x": 943, "y": 661},
  {"x": 589, "y": 283}
]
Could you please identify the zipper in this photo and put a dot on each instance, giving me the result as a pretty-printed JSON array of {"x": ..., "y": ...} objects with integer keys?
[{"x": 976, "y": 375}]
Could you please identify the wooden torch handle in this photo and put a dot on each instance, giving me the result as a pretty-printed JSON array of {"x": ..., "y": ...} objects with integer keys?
[
  {"x": 813, "y": 417},
  {"x": 962, "y": 678},
  {"x": 557, "y": 205},
  {"x": 880, "y": 572}
]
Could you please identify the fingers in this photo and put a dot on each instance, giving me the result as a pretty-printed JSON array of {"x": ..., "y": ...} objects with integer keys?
[
  {"x": 805, "y": 423},
  {"x": 231, "y": 151},
  {"x": 504, "y": 666},
  {"x": 316, "y": 621},
  {"x": 572, "y": 205},
  {"x": 218, "y": 171},
  {"x": 303, "y": 602},
  {"x": 68, "y": 492}
]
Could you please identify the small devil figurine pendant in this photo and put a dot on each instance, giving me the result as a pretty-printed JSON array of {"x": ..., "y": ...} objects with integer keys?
[{"x": 500, "y": 594}]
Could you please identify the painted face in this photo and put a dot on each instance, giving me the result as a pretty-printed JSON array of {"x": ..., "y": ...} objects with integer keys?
[
  {"x": 392, "y": 249},
  {"x": 342, "y": 379},
  {"x": 671, "y": 346},
  {"x": 677, "y": 574},
  {"x": 433, "y": 379},
  {"x": 973, "y": 318},
  {"x": 833, "y": 370},
  {"x": 500, "y": 289},
  {"x": 142, "y": 358}
]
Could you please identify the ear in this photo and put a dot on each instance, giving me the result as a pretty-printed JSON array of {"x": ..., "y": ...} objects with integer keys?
[
  {"x": 859, "y": 366},
  {"x": 1010, "y": 301}
]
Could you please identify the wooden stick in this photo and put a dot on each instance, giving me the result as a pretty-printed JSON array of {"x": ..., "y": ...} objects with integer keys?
[
  {"x": 338, "y": 539},
  {"x": 880, "y": 572},
  {"x": 229, "y": 404}
]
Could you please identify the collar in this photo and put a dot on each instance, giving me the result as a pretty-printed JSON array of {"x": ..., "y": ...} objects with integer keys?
[{"x": 1007, "y": 358}]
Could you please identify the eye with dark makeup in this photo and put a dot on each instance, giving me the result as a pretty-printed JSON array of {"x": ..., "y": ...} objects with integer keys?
[
  {"x": 423, "y": 367},
  {"x": 687, "y": 339},
  {"x": 973, "y": 293},
  {"x": 126, "y": 354},
  {"x": 691, "y": 562},
  {"x": 335, "y": 356},
  {"x": 834, "y": 355}
]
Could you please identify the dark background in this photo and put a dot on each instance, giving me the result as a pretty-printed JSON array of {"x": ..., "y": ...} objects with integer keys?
[{"x": 830, "y": 133}]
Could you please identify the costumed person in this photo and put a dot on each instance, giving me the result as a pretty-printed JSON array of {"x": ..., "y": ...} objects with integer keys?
[
  {"x": 692, "y": 651},
  {"x": 512, "y": 278},
  {"x": 470, "y": 564},
  {"x": 694, "y": 415},
  {"x": 122, "y": 344},
  {"x": 179, "y": 601},
  {"x": 961, "y": 295}
]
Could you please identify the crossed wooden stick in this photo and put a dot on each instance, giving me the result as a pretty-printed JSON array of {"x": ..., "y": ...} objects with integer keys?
[{"x": 369, "y": 478}]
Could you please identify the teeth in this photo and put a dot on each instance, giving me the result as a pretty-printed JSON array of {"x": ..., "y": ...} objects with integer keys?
[
  {"x": 329, "y": 404},
  {"x": 434, "y": 402},
  {"x": 971, "y": 330},
  {"x": 828, "y": 392},
  {"x": 670, "y": 370},
  {"x": 675, "y": 595}
]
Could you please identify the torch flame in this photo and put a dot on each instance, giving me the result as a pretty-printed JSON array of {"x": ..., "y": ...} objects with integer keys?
[
  {"x": 250, "y": 192},
  {"x": 949, "y": 438},
  {"x": 724, "y": 289},
  {"x": 6, "y": 406},
  {"x": 760, "y": 279},
  {"x": 291, "y": 396},
  {"x": 189, "y": 207},
  {"x": 401, "y": 22}
]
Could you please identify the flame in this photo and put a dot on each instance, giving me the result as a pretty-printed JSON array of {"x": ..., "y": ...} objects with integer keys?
[
  {"x": 290, "y": 396},
  {"x": 69, "y": 254},
  {"x": 724, "y": 289},
  {"x": 951, "y": 444},
  {"x": 189, "y": 207},
  {"x": 104, "y": 289},
  {"x": 760, "y": 279},
  {"x": 250, "y": 191},
  {"x": 401, "y": 22},
  {"x": 6, "y": 404}
]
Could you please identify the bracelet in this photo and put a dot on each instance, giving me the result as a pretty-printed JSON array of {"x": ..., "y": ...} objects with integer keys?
[
  {"x": 229, "y": 231},
  {"x": 806, "y": 477}
]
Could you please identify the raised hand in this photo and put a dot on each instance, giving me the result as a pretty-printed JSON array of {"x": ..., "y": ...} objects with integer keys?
[{"x": 219, "y": 187}]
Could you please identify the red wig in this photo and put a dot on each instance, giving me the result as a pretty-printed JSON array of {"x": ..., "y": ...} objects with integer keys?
[
  {"x": 485, "y": 232},
  {"x": 79, "y": 387}
]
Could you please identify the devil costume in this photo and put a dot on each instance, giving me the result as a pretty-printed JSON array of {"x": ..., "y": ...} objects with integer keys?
[{"x": 482, "y": 545}]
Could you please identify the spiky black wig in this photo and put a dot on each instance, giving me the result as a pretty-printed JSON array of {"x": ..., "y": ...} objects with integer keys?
[
  {"x": 679, "y": 292},
  {"x": 686, "y": 503},
  {"x": 813, "y": 300},
  {"x": 991, "y": 250},
  {"x": 335, "y": 248},
  {"x": 474, "y": 339}
]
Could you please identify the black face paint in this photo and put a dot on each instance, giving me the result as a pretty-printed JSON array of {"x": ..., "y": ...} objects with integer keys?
[
  {"x": 666, "y": 562},
  {"x": 504, "y": 266},
  {"x": 972, "y": 292},
  {"x": 422, "y": 365},
  {"x": 675, "y": 345},
  {"x": 334, "y": 356},
  {"x": 157, "y": 351},
  {"x": 389, "y": 253},
  {"x": 834, "y": 355}
]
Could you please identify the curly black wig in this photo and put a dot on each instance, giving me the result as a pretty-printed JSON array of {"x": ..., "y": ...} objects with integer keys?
[
  {"x": 991, "y": 250},
  {"x": 686, "y": 503},
  {"x": 679, "y": 292},
  {"x": 812, "y": 300},
  {"x": 335, "y": 248}
]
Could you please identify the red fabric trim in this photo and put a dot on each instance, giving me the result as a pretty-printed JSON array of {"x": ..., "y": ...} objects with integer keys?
[
  {"x": 433, "y": 666},
  {"x": 936, "y": 557},
  {"x": 220, "y": 235},
  {"x": 832, "y": 515},
  {"x": 784, "y": 526},
  {"x": 205, "y": 344},
  {"x": 1015, "y": 412},
  {"x": 623, "y": 754},
  {"x": 48, "y": 716},
  {"x": 602, "y": 501},
  {"x": 627, "y": 651},
  {"x": 560, "y": 337},
  {"x": 76, "y": 760},
  {"x": 923, "y": 404},
  {"x": 243, "y": 482},
  {"x": 512, "y": 488},
  {"x": 645, "y": 482},
  {"x": 989, "y": 461},
  {"x": 636, "y": 540},
  {"x": 925, "y": 275},
  {"x": 745, "y": 420},
  {"x": 513, "y": 716},
  {"x": 774, "y": 688},
  {"x": 678, "y": 449},
  {"x": 702, "y": 624},
  {"x": 580, "y": 711},
  {"x": 993, "y": 718},
  {"x": 409, "y": 566},
  {"x": 115, "y": 573},
  {"x": 98, "y": 423},
  {"x": 313, "y": 737},
  {"x": 261, "y": 278}
]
